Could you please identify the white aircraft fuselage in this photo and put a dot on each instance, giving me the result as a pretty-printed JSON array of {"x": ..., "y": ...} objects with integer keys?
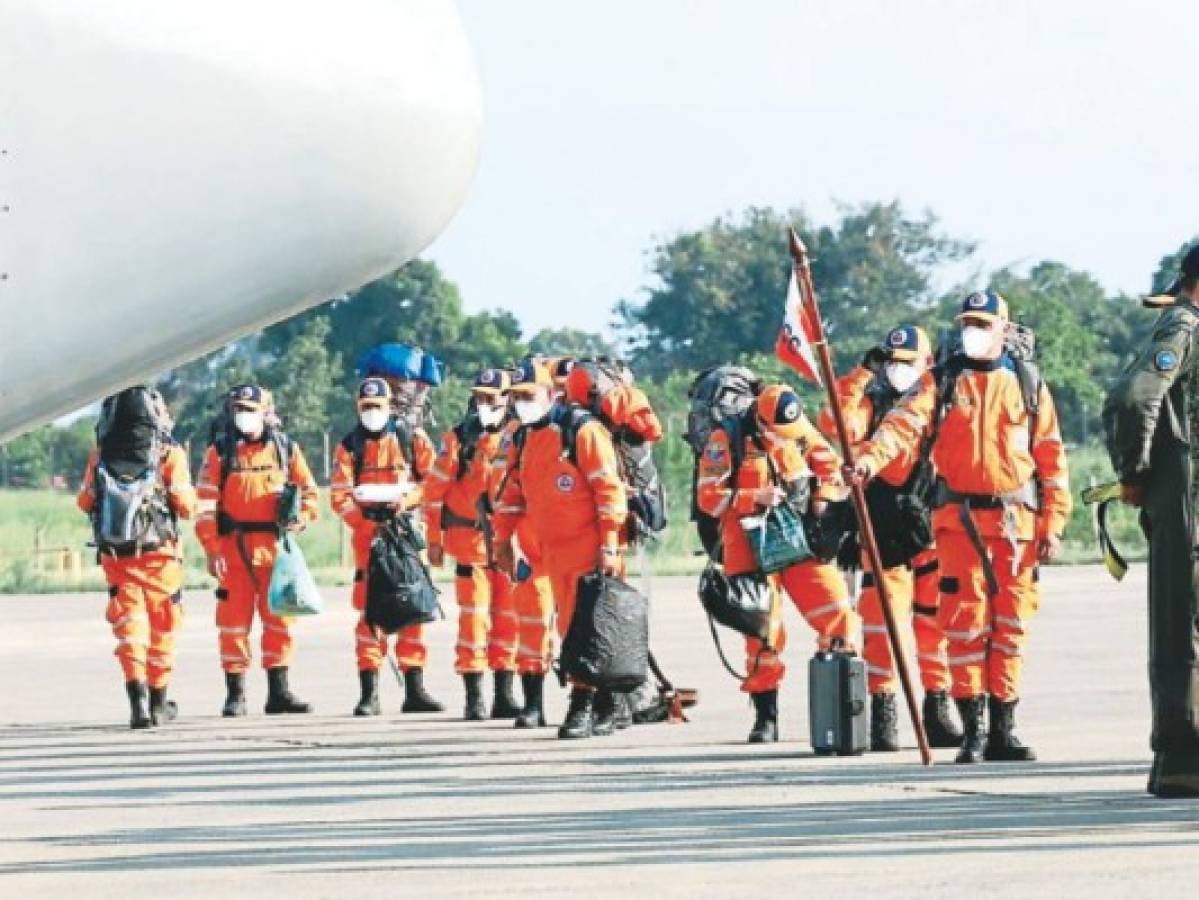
[{"x": 174, "y": 175}]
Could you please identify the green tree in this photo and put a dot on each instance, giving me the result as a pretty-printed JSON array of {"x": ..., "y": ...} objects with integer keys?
[
  {"x": 569, "y": 342},
  {"x": 306, "y": 381},
  {"x": 720, "y": 290}
]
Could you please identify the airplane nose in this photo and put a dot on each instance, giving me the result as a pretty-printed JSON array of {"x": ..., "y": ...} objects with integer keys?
[{"x": 177, "y": 175}]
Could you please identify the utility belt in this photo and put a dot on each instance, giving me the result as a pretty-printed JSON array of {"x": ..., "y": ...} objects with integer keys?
[
  {"x": 450, "y": 519},
  {"x": 227, "y": 525},
  {"x": 379, "y": 514},
  {"x": 129, "y": 552},
  {"x": 1026, "y": 496}
]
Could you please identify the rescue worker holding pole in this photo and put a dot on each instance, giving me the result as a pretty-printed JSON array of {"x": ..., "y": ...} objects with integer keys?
[
  {"x": 780, "y": 451},
  {"x": 379, "y": 472},
  {"x": 1148, "y": 431},
  {"x": 574, "y": 498},
  {"x": 250, "y": 477},
  {"x": 137, "y": 482},
  {"x": 1000, "y": 506},
  {"x": 898, "y": 507},
  {"x": 458, "y": 523}
]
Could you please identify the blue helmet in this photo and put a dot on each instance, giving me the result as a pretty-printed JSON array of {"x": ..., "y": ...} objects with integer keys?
[{"x": 401, "y": 361}]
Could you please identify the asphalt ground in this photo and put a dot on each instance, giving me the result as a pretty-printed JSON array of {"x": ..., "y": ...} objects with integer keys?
[{"x": 327, "y": 805}]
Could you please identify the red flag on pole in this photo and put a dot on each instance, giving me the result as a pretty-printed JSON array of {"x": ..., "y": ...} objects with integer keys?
[{"x": 794, "y": 345}]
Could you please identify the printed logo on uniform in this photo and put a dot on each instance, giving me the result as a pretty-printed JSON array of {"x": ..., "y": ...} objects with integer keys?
[
  {"x": 370, "y": 389},
  {"x": 976, "y": 301},
  {"x": 247, "y": 393},
  {"x": 566, "y": 483},
  {"x": 790, "y": 409},
  {"x": 1165, "y": 360},
  {"x": 487, "y": 377},
  {"x": 716, "y": 453},
  {"x": 898, "y": 337}
]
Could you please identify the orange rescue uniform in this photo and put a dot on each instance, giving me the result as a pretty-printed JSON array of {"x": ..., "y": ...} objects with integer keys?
[
  {"x": 814, "y": 586},
  {"x": 988, "y": 447},
  {"x": 145, "y": 592},
  {"x": 487, "y": 628},
  {"x": 914, "y": 588},
  {"x": 572, "y": 510},
  {"x": 383, "y": 463},
  {"x": 250, "y": 496}
]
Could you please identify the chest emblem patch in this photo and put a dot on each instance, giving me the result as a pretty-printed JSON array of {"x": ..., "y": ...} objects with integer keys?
[{"x": 566, "y": 483}]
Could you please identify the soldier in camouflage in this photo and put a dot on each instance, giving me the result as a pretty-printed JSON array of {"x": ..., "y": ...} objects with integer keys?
[{"x": 1148, "y": 437}]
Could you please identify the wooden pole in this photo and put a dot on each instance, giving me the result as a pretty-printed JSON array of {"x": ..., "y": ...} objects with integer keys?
[{"x": 803, "y": 272}]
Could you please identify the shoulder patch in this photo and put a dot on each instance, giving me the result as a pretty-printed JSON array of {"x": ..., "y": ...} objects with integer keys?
[{"x": 1165, "y": 360}]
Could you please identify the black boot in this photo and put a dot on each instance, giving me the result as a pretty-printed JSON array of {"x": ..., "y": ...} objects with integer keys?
[
  {"x": 624, "y": 711},
  {"x": 235, "y": 695},
  {"x": 416, "y": 698},
  {"x": 503, "y": 703},
  {"x": 279, "y": 698},
  {"x": 766, "y": 721},
  {"x": 162, "y": 710},
  {"x": 603, "y": 718},
  {"x": 476, "y": 709},
  {"x": 1175, "y": 774},
  {"x": 1002, "y": 744},
  {"x": 938, "y": 721},
  {"x": 579, "y": 717},
  {"x": 139, "y": 705},
  {"x": 368, "y": 703},
  {"x": 532, "y": 716},
  {"x": 884, "y": 724},
  {"x": 973, "y": 712}
]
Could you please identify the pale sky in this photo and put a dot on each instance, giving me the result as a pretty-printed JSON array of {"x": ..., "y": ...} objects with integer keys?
[{"x": 1055, "y": 129}]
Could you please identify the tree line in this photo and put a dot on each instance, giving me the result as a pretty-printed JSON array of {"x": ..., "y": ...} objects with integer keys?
[{"x": 715, "y": 295}]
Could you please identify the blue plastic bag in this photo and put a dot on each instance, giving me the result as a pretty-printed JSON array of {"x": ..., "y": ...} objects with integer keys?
[
  {"x": 401, "y": 361},
  {"x": 293, "y": 591}
]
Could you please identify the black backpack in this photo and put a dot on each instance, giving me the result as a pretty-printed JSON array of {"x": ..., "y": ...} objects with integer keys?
[
  {"x": 720, "y": 398},
  {"x": 399, "y": 589}
]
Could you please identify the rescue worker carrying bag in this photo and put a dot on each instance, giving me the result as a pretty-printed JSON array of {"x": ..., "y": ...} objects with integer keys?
[
  {"x": 399, "y": 589},
  {"x": 740, "y": 602},
  {"x": 607, "y": 644},
  {"x": 293, "y": 590}
]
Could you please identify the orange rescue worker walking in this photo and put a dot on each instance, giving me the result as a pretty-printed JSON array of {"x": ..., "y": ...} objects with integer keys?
[
  {"x": 244, "y": 476},
  {"x": 135, "y": 488},
  {"x": 457, "y": 517},
  {"x": 379, "y": 471},
  {"x": 575, "y": 501},
  {"x": 776, "y": 437},
  {"x": 1001, "y": 504},
  {"x": 901, "y": 523}
]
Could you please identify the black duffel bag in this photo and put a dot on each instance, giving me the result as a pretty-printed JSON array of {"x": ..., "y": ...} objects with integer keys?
[
  {"x": 607, "y": 643},
  {"x": 399, "y": 589},
  {"x": 740, "y": 602},
  {"x": 902, "y": 522}
]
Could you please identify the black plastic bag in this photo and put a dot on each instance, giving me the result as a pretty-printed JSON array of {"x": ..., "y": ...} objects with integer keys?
[
  {"x": 740, "y": 602},
  {"x": 399, "y": 589},
  {"x": 607, "y": 644}
]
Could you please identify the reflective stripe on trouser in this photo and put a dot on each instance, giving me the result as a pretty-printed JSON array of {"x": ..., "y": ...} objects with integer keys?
[
  {"x": 144, "y": 612},
  {"x": 818, "y": 592},
  {"x": 486, "y": 620},
  {"x": 915, "y": 596},
  {"x": 370, "y": 646},
  {"x": 235, "y": 613},
  {"x": 533, "y": 600},
  {"x": 985, "y": 636}
]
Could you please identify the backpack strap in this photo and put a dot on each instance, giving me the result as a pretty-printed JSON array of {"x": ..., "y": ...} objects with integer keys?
[{"x": 354, "y": 444}]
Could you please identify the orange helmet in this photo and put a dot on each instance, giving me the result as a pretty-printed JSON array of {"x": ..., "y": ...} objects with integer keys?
[{"x": 779, "y": 409}]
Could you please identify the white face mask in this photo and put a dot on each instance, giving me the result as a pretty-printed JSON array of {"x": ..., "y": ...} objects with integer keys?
[
  {"x": 902, "y": 376},
  {"x": 373, "y": 420},
  {"x": 491, "y": 416},
  {"x": 977, "y": 343},
  {"x": 530, "y": 411},
  {"x": 248, "y": 423}
]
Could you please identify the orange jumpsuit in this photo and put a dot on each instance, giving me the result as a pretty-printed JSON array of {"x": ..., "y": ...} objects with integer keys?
[
  {"x": 815, "y": 587},
  {"x": 572, "y": 511},
  {"x": 913, "y": 589},
  {"x": 383, "y": 463},
  {"x": 984, "y": 447},
  {"x": 250, "y": 495},
  {"x": 486, "y": 614},
  {"x": 145, "y": 592}
]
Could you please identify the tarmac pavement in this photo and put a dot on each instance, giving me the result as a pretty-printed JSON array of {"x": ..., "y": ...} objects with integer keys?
[{"x": 327, "y": 805}]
